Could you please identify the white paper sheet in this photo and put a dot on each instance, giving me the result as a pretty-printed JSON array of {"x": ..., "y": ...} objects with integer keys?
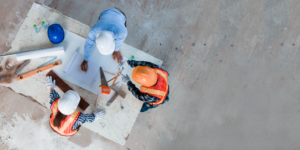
[
  {"x": 72, "y": 43},
  {"x": 53, "y": 51},
  {"x": 90, "y": 77}
]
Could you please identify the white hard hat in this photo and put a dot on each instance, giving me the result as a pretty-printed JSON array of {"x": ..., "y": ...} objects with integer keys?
[
  {"x": 69, "y": 102},
  {"x": 105, "y": 42}
]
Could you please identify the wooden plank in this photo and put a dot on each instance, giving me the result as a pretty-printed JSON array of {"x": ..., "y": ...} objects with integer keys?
[{"x": 65, "y": 87}]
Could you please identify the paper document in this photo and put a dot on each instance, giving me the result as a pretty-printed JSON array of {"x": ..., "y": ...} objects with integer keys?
[
  {"x": 90, "y": 77},
  {"x": 70, "y": 69}
]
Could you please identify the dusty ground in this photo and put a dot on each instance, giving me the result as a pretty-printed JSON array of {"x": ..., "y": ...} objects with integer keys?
[{"x": 233, "y": 74}]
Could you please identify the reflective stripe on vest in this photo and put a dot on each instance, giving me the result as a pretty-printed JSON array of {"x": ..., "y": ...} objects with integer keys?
[
  {"x": 160, "y": 90},
  {"x": 66, "y": 126}
]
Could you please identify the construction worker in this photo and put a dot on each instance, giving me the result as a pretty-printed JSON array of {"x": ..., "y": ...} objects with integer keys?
[
  {"x": 109, "y": 34},
  {"x": 65, "y": 118},
  {"x": 154, "y": 80}
]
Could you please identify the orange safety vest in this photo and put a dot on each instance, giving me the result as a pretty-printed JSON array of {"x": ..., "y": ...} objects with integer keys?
[
  {"x": 160, "y": 89},
  {"x": 66, "y": 125}
]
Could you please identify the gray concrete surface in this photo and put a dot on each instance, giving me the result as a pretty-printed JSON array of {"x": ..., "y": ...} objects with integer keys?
[{"x": 232, "y": 64}]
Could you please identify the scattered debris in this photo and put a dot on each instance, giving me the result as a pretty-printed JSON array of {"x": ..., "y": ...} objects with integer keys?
[
  {"x": 224, "y": 37},
  {"x": 3, "y": 27},
  {"x": 7, "y": 65},
  {"x": 7, "y": 74},
  {"x": 127, "y": 138},
  {"x": 138, "y": 3},
  {"x": 6, "y": 78}
]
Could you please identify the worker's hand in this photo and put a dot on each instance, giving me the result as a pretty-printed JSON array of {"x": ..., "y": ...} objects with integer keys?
[
  {"x": 84, "y": 66},
  {"x": 99, "y": 114},
  {"x": 125, "y": 79},
  {"x": 118, "y": 55},
  {"x": 122, "y": 65},
  {"x": 50, "y": 84}
]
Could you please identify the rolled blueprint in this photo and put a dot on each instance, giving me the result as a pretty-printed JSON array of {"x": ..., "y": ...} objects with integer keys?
[{"x": 53, "y": 51}]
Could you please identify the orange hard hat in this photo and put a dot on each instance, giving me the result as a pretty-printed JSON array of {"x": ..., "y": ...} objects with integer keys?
[{"x": 144, "y": 75}]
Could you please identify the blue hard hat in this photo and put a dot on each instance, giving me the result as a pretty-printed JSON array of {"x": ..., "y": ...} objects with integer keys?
[{"x": 56, "y": 33}]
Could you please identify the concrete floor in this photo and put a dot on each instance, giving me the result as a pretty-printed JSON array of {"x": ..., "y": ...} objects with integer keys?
[{"x": 233, "y": 73}]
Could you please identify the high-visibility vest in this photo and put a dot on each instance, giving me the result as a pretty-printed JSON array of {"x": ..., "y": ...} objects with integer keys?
[
  {"x": 66, "y": 125},
  {"x": 160, "y": 89}
]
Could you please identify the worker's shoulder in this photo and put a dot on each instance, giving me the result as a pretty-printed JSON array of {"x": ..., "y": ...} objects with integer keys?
[
  {"x": 123, "y": 30},
  {"x": 112, "y": 14},
  {"x": 119, "y": 30},
  {"x": 164, "y": 70},
  {"x": 109, "y": 11}
]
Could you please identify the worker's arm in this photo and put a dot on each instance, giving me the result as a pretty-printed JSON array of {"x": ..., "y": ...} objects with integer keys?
[
  {"x": 98, "y": 114},
  {"x": 82, "y": 119},
  {"x": 133, "y": 63},
  {"x": 139, "y": 95},
  {"x": 119, "y": 39},
  {"x": 53, "y": 96},
  {"x": 90, "y": 41}
]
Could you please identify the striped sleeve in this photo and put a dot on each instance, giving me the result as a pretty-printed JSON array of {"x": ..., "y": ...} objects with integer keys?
[
  {"x": 82, "y": 119},
  {"x": 141, "y": 96},
  {"x": 133, "y": 63},
  {"x": 53, "y": 96}
]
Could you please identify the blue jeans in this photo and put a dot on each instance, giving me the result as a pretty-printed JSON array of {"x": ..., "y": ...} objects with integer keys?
[{"x": 147, "y": 106}]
